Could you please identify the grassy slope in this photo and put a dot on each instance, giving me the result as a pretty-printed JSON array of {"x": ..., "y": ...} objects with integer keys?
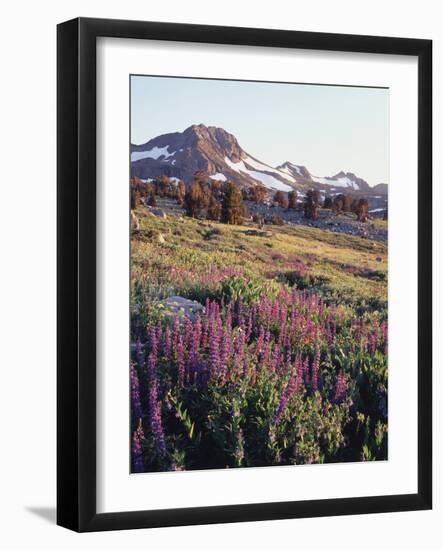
[{"x": 339, "y": 261}]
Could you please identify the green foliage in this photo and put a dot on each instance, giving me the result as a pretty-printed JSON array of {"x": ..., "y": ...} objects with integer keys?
[{"x": 247, "y": 290}]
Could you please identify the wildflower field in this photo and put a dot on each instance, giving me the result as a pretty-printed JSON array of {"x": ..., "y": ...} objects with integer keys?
[{"x": 283, "y": 359}]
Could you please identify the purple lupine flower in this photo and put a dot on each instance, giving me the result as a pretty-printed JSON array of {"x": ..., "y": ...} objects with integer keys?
[
  {"x": 214, "y": 347},
  {"x": 376, "y": 336},
  {"x": 159, "y": 331},
  {"x": 155, "y": 417},
  {"x": 314, "y": 370},
  {"x": 136, "y": 450},
  {"x": 291, "y": 388},
  {"x": 281, "y": 408},
  {"x": 205, "y": 334},
  {"x": 239, "y": 352},
  {"x": 259, "y": 344},
  {"x": 288, "y": 359},
  {"x": 265, "y": 356},
  {"x": 298, "y": 366},
  {"x": 175, "y": 335},
  {"x": 180, "y": 361},
  {"x": 135, "y": 395},
  {"x": 188, "y": 333},
  {"x": 341, "y": 385},
  {"x": 305, "y": 369},
  {"x": 253, "y": 318},
  {"x": 197, "y": 331},
  {"x": 249, "y": 326},
  {"x": 225, "y": 351},
  {"x": 167, "y": 344},
  {"x": 275, "y": 359},
  {"x": 384, "y": 328},
  {"x": 275, "y": 310},
  {"x": 371, "y": 343},
  {"x": 281, "y": 331},
  {"x": 139, "y": 354},
  {"x": 193, "y": 361}
]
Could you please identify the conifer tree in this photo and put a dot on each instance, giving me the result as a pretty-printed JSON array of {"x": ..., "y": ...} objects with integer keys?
[
  {"x": 361, "y": 210},
  {"x": 214, "y": 209},
  {"x": 181, "y": 192},
  {"x": 312, "y": 203},
  {"x": 327, "y": 203},
  {"x": 280, "y": 199},
  {"x": 233, "y": 210},
  {"x": 292, "y": 203},
  {"x": 193, "y": 200}
]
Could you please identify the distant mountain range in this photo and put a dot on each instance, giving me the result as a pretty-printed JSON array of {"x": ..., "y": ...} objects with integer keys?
[{"x": 216, "y": 152}]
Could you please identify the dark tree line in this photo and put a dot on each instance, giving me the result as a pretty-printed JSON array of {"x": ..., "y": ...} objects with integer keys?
[
  {"x": 224, "y": 202},
  {"x": 341, "y": 203},
  {"x": 144, "y": 192}
]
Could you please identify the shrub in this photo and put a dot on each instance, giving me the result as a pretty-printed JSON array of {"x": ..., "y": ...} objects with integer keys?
[
  {"x": 152, "y": 201},
  {"x": 276, "y": 220}
]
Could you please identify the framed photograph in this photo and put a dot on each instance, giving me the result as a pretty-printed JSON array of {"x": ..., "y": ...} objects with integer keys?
[{"x": 244, "y": 274}]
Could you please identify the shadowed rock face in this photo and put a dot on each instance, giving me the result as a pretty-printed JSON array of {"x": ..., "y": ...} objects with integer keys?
[{"x": 215, "y": 152}]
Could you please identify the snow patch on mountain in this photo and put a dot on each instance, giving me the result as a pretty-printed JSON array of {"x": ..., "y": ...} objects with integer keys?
[
  {"x": 344, "y": 182},
  {"x": 154, "y": 153},
  {"x": 267, "y": 180},
  {"x": 265, "y": 168}
]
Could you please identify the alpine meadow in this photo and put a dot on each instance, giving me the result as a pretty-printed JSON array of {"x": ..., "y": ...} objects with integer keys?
[{"x": 259, "y": 275}]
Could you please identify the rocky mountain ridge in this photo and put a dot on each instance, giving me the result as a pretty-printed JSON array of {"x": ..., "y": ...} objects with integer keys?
[{"x": 217, "y": 153}]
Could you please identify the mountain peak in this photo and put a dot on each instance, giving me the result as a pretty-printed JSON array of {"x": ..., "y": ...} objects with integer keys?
[
  {"x": 216, "y": 152},
  {"x": 213, "y": 142},
  {"x": 294, "y": 170}
]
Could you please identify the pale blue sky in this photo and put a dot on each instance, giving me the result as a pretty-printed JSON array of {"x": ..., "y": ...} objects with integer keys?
[{"x": 325, "y": 128}]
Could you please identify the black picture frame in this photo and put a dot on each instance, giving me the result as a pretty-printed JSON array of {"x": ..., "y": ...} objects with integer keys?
[{"x": 76, "y": 281}]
